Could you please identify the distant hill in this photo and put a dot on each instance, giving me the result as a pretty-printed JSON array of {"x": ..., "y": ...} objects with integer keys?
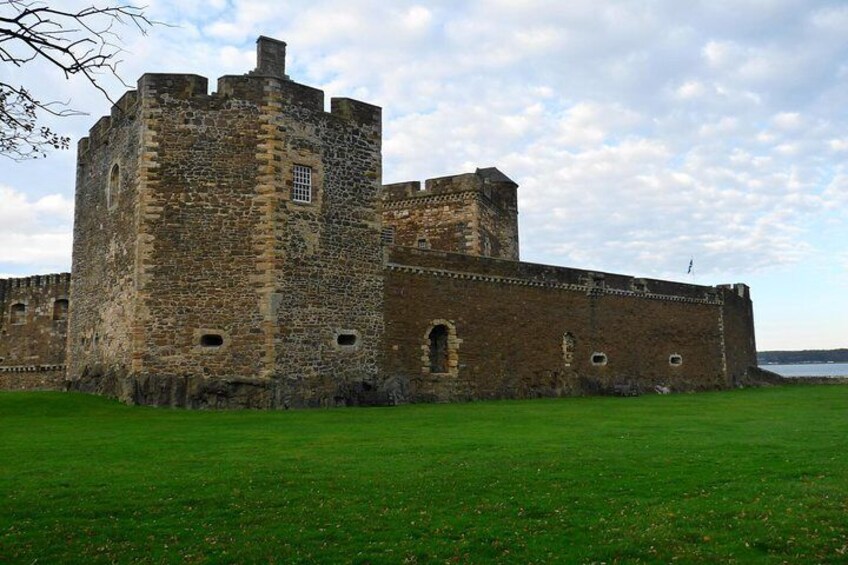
[{"x": 805, "y": 356}]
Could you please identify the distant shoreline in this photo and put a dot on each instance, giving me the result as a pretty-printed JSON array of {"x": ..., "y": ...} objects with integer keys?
[
  {"x": 803, "y": 357},
  {"x": 806, "y": 371}
]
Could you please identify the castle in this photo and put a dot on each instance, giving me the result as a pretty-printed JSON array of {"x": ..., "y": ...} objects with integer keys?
[{"x": 237, "y": 249}]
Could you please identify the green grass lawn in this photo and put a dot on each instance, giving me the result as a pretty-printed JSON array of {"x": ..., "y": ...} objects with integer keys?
[{"x": 756, "y": 475}]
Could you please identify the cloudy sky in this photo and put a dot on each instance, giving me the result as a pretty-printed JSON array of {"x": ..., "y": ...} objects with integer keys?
[{"x": 641, "y": 133}]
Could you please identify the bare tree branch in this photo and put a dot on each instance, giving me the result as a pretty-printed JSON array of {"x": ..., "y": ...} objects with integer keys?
[{"x": 77, "y": 43}]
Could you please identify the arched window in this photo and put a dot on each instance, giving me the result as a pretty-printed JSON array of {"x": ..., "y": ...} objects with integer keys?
[
  {"x": 113, "y": 186},
  {"x": 60, "y": 309},
  {"x": 439, "y": 349},
  {"x": 568, "y": 342},
  {"x": 18, "y": 314}
]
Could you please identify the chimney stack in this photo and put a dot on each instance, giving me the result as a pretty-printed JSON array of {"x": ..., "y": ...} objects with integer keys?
[{"x": 270, "y": 57}]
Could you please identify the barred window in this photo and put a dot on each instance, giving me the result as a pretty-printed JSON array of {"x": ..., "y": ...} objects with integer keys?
[
  {"x": 302, "y": 188},
  {"x": 388, "y": 235}
]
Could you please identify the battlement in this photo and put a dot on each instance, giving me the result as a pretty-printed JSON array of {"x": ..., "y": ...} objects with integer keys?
[
  {"x": 99, "y": 132},
  {"x": 481, "y": 180},
  {"x": 36, "y": 281},
  {"x": 740, "y": 289},
  {"x": 267, "y": 80}
]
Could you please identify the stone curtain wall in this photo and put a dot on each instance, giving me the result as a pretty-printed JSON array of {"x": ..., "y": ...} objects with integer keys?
[
  {"x": 33, "y": 377},
  {"x": 738, "y": 323},
  {"x": 512, "y": 319},
  {"x": 33, "y": 338}
]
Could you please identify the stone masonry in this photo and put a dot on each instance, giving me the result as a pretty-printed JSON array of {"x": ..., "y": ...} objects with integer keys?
[
  {"x": 237, "y": 249},
  {"x": 33, "y": 332},
  {"x": 474, "y": 213}
]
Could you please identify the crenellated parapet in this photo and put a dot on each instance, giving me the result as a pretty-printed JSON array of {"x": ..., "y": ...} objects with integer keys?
[
  {"x": 124, "y": 109},
  {"x": 61, "y": 280},
  {"x": 486, "y": 181}
]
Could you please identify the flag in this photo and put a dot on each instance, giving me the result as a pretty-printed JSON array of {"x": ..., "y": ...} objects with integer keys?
[{"x": 691, "y": 262}]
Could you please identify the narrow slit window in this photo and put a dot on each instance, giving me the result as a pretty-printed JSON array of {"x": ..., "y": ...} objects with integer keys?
[
  {"x": 302, "y": 186},
  {"x": 113, "y": 186}
]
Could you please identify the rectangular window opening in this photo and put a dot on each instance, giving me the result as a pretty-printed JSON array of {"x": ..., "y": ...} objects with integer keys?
[
  {"x": 302, "y": 186},
  {"x": 388, "y": 234},
  {"x": 346, "y": 340}
]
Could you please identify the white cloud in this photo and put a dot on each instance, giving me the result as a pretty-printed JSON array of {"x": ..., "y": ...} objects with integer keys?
[
  {"x": 788, "y": 120},
  {"x": 35, "y": 231}
]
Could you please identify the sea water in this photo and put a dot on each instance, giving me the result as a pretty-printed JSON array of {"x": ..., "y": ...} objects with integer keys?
[{"x": 809, "y": 370}]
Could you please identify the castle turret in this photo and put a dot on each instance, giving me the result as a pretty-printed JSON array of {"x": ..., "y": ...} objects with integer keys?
[{"x": 472, "y": 213}]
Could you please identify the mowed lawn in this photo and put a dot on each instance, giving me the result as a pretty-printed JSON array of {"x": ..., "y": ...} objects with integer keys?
[{"x": 742, "y": 476}]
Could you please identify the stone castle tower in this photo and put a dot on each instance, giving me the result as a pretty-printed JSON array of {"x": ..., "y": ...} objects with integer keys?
[{"x": 229, "y": 235}]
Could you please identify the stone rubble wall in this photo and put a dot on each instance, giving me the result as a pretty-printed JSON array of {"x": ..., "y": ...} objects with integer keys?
[
  {"x": 466, "y": 213},
  {"x": 33, "y": 377},
  {"x": 32, "y": 345},
  {"x": 511, "y": 320},
  {"x": 106, "y": 241}
]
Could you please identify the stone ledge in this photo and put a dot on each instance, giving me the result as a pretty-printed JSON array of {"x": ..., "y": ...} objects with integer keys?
[
  {"x": 32, "y": 368},
  {"x": 588, "y": 289}
]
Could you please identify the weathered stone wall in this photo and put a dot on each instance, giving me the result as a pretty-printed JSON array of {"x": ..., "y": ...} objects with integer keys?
[
  {"x": 738, "y": 325},
  {"x": 239, "y": 294},
  {"x": 33, "y": 377},
  {"x": 473, "y": 213},
  {"x": 199, "y": 272},
  {"x": 106, "y": 219},
  {"x": 512, "y": 320},
  {"x": 33, "y": 331},
  {"x": 328, "y": 289}
]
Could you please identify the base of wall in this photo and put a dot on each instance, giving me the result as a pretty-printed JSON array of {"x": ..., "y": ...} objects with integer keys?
[
  {"x": 233, "y": 393},
  {"x": 48, "y": 377},
  {"x": 283, "y": 393}
]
